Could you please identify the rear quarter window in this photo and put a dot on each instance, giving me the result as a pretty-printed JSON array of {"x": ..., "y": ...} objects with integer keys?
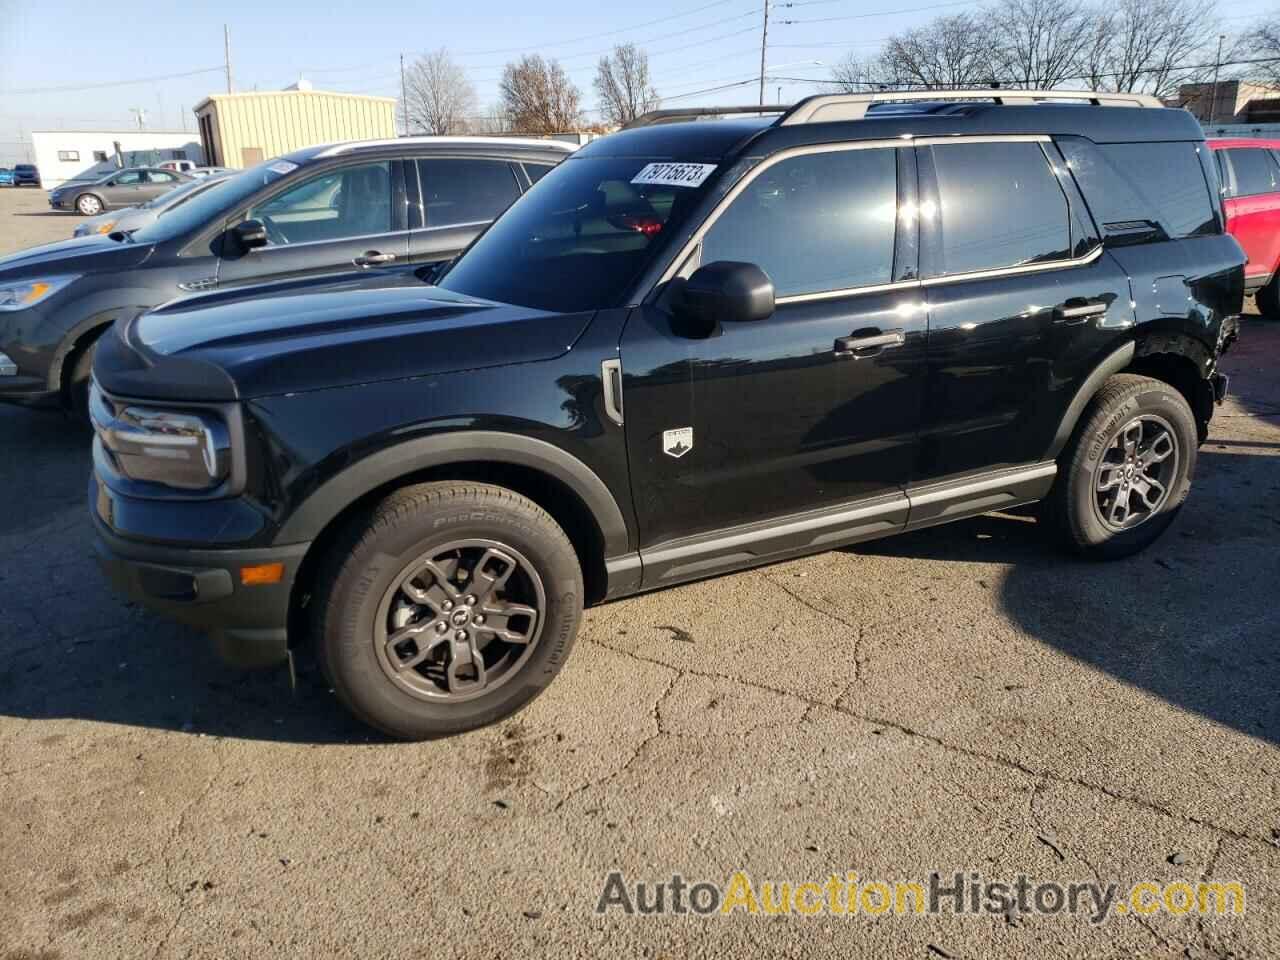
[{"x": 1127, "y": 183}]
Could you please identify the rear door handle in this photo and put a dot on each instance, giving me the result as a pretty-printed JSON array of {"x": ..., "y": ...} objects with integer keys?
[
  {"x": 372, "y": 258},
  {"x": 855, "y": 346},
  {"x": 1078, "y": 311}
]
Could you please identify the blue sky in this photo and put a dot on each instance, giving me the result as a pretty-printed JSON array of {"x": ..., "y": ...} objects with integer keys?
[{"x": 355, "y": 47}]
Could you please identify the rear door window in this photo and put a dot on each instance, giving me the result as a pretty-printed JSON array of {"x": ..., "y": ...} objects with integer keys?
[
  {"x": 536, "y": 171},
  {"x": 1130, "y": 183},
  {"x": 1000, "y": 205},
  {"x": 465, "y": 191},
  {"x": 1253, "y": 172},
  {"x": 814, "y": 223}
]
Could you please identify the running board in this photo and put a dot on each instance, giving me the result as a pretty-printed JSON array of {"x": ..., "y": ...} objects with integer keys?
[{"x": 767, "y": 541}]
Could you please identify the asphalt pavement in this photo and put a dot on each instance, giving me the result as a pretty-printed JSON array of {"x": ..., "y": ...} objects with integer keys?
[{"x": 965, "y": 698}]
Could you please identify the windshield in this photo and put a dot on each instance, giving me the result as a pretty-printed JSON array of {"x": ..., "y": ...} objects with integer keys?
[
  {"x": 199, "y": 210},
  {"x": 577, "y": 240}
]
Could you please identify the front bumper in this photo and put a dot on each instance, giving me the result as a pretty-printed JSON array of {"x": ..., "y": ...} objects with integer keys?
[{"x": 201, "y": 587}]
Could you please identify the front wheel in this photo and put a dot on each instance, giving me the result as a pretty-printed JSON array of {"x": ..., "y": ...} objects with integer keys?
[
  {"x": 450, "y": 606},
  {"x": 1128, "y": 469},
  {"x": 89, "y": 205}
]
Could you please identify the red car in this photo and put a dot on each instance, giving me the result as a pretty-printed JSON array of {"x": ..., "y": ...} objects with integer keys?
[{"x": 1250, "y": 174}]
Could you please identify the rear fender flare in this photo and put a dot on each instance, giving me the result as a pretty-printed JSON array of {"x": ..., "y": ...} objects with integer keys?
[{"x": 1111, "y": 365}]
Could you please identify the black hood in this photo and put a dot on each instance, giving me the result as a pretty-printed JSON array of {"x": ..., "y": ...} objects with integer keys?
[
  {"x": 261, "y": 342},
  {"x": 79, "y": 255}
]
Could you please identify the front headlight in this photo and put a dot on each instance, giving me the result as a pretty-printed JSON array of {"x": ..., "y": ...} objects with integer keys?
[
  {"x": 20, "y": 294},
  {"x": 182, "y": 449}
]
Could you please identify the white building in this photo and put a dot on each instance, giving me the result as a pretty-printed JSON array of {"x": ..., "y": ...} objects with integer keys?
[{"x": 62, "y": 155}]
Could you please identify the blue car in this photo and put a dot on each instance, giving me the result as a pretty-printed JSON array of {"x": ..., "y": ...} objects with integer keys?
[
  {"x": 26, "y": 174},
  {"x": 6, "y": 177}
]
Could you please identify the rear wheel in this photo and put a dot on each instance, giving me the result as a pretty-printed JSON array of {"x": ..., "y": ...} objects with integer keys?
[
  {"x": 88, "y": 204},
  {"x": 448, "y": 607},
  {"x": 1268, "y": 299},
  {"x": 1127, "y": 470}
]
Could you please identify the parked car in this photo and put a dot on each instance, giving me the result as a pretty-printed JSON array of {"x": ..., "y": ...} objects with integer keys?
[
  {"x": 178, "y": 166},
  {"x": 133, "y": 218},
  {"x": 1249, "y": 171},
  {"x": 26, "y": 175},
  {"x": 326, "y": 211},
  {"x": 689, "y": 349},
  {"x": 6, "y": 177},
  {"x": 121, "y": 188}
]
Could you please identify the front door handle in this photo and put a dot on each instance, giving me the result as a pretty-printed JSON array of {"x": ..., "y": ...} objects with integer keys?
[
  {"x": 1078, "y": 310},
  {"x": 856, "y": 347},
  {"x": 372, "y": 258}
]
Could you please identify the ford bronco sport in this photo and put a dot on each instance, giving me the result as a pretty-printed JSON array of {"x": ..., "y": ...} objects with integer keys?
[{"x": 690, "y": 348}]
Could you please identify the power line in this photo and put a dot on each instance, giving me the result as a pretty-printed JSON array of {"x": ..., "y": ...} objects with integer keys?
[
  {"x": 882, "y": 13},
  {"x": 1013, "y": 90},
  {"x": 596, "y": 36},
  {"x": 117, "y": 83}
]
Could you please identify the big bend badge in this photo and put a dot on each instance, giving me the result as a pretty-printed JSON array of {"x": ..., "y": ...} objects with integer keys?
[{"x": 676, "y": 443}]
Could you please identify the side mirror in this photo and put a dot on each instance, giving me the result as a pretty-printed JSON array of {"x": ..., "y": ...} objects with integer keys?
[
  {"x": 250, "y": 234},
  {"x": 727, "y": 292}
]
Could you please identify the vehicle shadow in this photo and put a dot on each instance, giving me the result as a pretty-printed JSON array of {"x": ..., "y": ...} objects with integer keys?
[
  {"x": 71, "y": 648},
  {"x": 1191, "y": 620}
]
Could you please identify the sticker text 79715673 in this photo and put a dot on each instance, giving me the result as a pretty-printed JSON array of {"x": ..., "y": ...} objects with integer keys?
[{"x": 674, "y": 174}]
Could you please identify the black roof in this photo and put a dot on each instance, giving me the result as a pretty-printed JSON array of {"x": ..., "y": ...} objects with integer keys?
[{"x": 714, "y": 140}]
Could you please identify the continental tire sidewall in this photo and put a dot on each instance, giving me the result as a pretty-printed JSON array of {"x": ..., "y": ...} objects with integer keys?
[
  {"x": 1151, "y": 397},
  {"x": 348, "y": 633}
]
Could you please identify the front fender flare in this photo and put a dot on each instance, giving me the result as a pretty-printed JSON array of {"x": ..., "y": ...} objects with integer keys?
[{"x": 388, "y": 465}]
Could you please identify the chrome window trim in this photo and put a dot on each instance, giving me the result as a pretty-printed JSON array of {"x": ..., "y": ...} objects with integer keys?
[
  {"x": 848, "y": 292},
  {"x": 451, "y": 226},
  {"x": 679, "y": 262},
  {"x": 314, "y": 243},
  {"x": 1089, "y": 257}
]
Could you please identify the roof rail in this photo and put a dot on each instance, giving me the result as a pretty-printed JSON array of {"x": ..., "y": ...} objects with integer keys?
[
  {"x": 693, "y": 113},
  {"x": 347, "y": 146},
  {"x": 828, "y": 108}
]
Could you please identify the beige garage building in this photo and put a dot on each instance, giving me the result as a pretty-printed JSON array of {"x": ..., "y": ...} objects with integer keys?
[{"x": 242, "y": 129}]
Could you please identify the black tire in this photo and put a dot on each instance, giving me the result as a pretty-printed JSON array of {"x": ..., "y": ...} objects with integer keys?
[
  {"x": 373, "y": 555},
  {"x": 89, "y": 213},
  {"x": 1268, "y": 299},
  {"x": 1077, "y": 507},
  {"x": 77, "y": 382}
]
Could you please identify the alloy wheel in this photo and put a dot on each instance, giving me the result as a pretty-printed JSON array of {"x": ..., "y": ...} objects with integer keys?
[
  {"x": 459, "y": 621},
  {"x": 1133, "y": 479}
]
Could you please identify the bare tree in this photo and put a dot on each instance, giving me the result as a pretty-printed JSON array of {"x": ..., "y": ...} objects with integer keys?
[
  {"x": 489, "y": 120},
  {"x": 1263, "y": 43},
  {"x": 947, "y": 52},
  {"x": 622, "y": 84},
  {"x": 438, "y": 96},
  {"x": 538, "y": 97},
  {"x": 1158, "y": 44},
  {"x": 1038, "y": 43}
]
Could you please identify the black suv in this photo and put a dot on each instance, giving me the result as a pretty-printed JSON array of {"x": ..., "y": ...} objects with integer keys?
[
  {"x": 691, "y": 348},
  {"x": 323, "y": 212}
]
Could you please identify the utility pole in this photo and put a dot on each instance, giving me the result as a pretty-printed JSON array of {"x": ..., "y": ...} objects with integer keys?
[
  {"x": 226, "y": 53},
  {"x": 1217, "y": 65},
  {"x": 404, "y": 103},
  {"x": 764, "y": 45}
]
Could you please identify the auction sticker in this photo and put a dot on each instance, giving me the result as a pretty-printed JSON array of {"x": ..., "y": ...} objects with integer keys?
[
  {"x": 675, "y": 174},
  {"x": 282, "y": 167}
]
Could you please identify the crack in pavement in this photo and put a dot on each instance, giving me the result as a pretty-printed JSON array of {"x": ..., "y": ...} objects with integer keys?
[
  {"x": 858, "y": 628},
  {"x": 167, "y": 864},
  {"x": 655, "y": 714},
  {"x": 970, "y": 752}
]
